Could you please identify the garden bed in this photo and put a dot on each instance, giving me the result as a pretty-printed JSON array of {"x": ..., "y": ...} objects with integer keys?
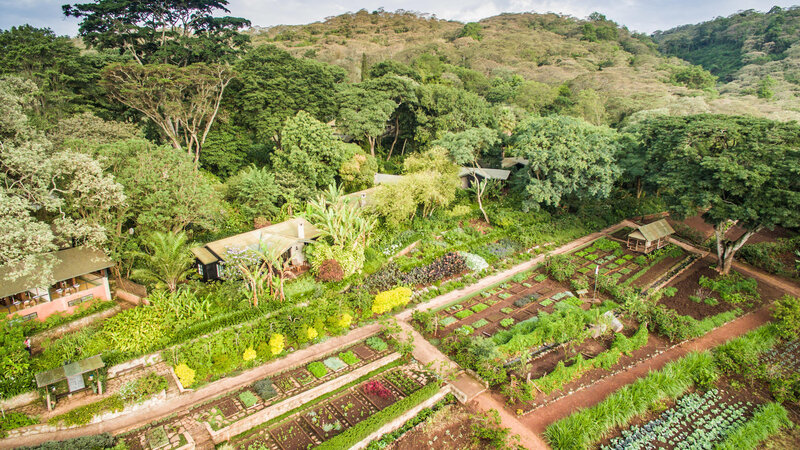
[
  {"x": 588, "y": 350},
  {"x": 341, "y": 412},
  {"x": 689, "y": 291},
  {"x": 235, "y": 406}
]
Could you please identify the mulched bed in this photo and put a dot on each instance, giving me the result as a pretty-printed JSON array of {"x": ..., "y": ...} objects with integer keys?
[
  {"x": 448, "y": 428},
  {"x": 325, "y": 415},
  {"x": 292, "y": 436},
  {"x": 362, "y": 351},
  {"x": 228, "y": 407},
  {"x": 655, "y": 272},
  {"x": 377, "y": 401},
  {"x": 353, "y": 407},
  {"x": 688, "y": 284}
]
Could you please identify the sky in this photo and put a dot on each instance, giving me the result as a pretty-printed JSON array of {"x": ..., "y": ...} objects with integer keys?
[{"x": 639, "y": 15}]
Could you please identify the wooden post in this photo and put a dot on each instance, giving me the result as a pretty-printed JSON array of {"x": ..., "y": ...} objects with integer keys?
[{"x": 47, "y": 391}]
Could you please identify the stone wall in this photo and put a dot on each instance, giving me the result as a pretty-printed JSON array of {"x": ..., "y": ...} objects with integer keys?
[
  {"x": 36, "y": 339},
  {"x": 297, "y": 401}
]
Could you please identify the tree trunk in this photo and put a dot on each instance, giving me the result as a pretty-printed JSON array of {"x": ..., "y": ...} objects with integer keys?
[
  {"x": 727, "y": 249},
  {"x": 479, "y": 188},
  {"x": 639, "y": 187},
  {"x": 371, "y": 141},
  {"x": 396, "y": 135}
]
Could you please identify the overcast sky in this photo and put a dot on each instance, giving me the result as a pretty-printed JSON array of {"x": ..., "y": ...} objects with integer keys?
[{"x": 639, "y": 15}]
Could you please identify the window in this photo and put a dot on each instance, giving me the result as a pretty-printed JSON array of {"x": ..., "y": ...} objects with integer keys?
[{"x": 78, "y": 301}]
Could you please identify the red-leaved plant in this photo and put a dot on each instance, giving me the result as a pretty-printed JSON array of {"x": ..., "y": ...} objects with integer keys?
[{"x": 375, "y": 387}]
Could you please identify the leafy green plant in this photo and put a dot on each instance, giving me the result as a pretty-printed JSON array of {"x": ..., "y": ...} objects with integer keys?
[
  {"x": 349, "y": 357},
  {"x": 248, "y": 399},
  {"x": 264, "y": 389},
  {"x": 376, "y": 343},
  {"x": 13, "y": 419},
  {"x": 317, "y": 369}
]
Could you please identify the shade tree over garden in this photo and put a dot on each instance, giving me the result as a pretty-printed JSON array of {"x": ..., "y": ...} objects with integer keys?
[{"x": 735, "y": 170}]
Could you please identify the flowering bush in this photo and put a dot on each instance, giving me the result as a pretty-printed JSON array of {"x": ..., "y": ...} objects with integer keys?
[
  {"x": 388, "y": 300},
  {"x": 311, "y": 332},
  {"x": 474, "y": 262},
  {"x": 377, "y": 388},
  {"x": 276, "y": 343},
  {"x": 184, "y": 374},
  {"x": 345, "y": 321},
  {"x": 249, "y": 354}
]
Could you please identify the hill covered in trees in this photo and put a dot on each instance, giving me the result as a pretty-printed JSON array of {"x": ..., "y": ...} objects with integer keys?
[
  {"x": 595, "y": 68},
  {"x": 752, "y": 53}
]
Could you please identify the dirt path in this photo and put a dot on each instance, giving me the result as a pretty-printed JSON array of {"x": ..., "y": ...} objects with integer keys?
[
  {"x": 528, "y": 438},
  {"x": 187, "y": 400},
  {"x": 539, "y": 419}
]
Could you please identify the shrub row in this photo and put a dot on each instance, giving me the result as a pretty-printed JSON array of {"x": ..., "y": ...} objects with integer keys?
[
  {"x": 423, "y": 415},
  {"x": 563, "y": 375},
  {"x": 94, "y": 442}
]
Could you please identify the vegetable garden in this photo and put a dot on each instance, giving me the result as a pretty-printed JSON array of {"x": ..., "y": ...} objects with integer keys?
[{"x": 346, "y": 416}]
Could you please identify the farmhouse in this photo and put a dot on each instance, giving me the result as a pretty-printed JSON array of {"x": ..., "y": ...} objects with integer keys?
[
  {"x": 80, "y": 274},
  {"x": 652, "y": 236},
  {"x": 287, "y": 239}
]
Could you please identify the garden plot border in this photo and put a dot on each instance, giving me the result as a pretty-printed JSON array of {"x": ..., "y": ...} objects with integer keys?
[
  {"x": 291, "y": 403},
  {"x": 403, "y": 418}
]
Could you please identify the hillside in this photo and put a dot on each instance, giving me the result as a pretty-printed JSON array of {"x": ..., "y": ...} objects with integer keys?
[
  {"x": 619, "y": 72},
  {"x": 753, "y": 53}
]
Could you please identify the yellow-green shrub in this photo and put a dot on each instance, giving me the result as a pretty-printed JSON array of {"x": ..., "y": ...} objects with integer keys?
[
  {"x": 388, "y": 300},
  {"x": 249, "y": 354},
  {"x": 276, "y": 343},
  {"x": 185, "y": 374}
]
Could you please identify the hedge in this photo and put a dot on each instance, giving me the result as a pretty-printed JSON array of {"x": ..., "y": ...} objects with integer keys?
[
  {"x": 359, "y": 432},
  {"x": 589, "y": 425},
  {"x": 411, "y": 423},
  {"x": 766, "y": 421},
  {"x": 94, "y": 442}
]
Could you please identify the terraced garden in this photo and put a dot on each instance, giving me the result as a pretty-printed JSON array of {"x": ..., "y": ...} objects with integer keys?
[
  {"x": 348, "y": 415},
  {"x": 267, "y": 392}
]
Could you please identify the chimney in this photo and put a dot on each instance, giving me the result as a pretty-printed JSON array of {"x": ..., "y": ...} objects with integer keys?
[
  {"x": 301, "y": 232},
  {"x": 363, "y": 201}
]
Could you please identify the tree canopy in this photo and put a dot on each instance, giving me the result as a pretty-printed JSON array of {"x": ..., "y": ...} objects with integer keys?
[
  {"x": 740, "y": 170},
  {"x": 167, "y": 32},
  {"x": 567, "y": 158}
]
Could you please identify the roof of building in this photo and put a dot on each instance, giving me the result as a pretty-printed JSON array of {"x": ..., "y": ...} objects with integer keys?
[
  {"x": 653, "y": 231},
  {"x": 367, "y": 194},
  {"x": 513, "y": 161},
  {"x": 53, "y": 376},
  {"x": 380, "y": 178},
  {"x": 489, "y": 174},
  {"x": 67, "y": 264},
  {"x": 277, "y": 238}
]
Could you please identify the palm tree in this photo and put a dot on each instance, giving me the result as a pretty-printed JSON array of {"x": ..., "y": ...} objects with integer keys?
[{"x": 167, "y": 261}]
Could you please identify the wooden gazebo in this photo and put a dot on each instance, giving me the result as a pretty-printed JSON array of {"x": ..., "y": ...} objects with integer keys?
[
  {"x": 652, "y": 236},
  {"x": 75, "y": 375}
]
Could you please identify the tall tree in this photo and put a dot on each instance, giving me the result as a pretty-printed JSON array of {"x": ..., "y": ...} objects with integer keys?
[
  {"x": 364, "y": 112},
  {"x": 52, "y": 62},
  {"x": 466, "y": 148},
  {"x": 736, "y": 170},
  {"x": 567, "y": 157},
  {"x": 161, "y": 32},
  {"x": 48, "y": 197},
  {"x": 309, "y": 151},
  {"x": 182, "y": 101},
  {"x": 443, "y": 108},
  {"x": 272, "y": 86}
]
